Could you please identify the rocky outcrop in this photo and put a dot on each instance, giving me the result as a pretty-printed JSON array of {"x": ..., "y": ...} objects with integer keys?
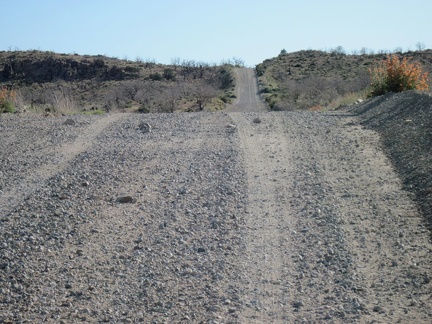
[{"x": 51, "y": 68}]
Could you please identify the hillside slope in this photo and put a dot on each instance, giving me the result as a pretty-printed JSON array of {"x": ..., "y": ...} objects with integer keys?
[
  {"x": 68, "y": 83},
  {"x": 306, "y": 79}
]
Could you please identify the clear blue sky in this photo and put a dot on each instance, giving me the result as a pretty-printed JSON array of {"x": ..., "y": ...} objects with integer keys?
[{"x": 212, "y": 30}]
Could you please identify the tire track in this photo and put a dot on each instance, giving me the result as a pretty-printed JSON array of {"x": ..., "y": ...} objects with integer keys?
[
  {"x": 15, "y": 194},
  {"x": 267, "y": 220}
]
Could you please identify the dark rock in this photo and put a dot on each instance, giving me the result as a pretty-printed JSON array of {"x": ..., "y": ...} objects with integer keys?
[
  {"x": 298, "y": 303},
  {"x": 256, "y": 120},
  {"x": 125, "y": 200},
  {"x": 145, "y": 127},
  {"x": 70, "y": 122}
]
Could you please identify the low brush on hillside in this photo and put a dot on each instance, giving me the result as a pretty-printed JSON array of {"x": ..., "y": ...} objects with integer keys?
[
  {"x": 71, "y": 83},
  {"x": 316, "y": 79}
]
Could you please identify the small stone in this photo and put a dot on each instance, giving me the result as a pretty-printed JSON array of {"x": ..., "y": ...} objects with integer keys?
[
  {"x": 183, "y": 191},
  {"x": 69, "y": 122},
  {"x": 256, "y": 120},
  {"x": 66, "y": 304},
  {"x": 125, "y": 200},
  {"x": 145, "y": 127},
  {"x": 378, "y": 309},
  {"x": 201, "y": 250},
  {"x": 298, "y": 303}
]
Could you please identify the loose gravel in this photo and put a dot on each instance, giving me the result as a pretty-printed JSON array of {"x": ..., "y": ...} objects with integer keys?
[{"x": 207, "y": 218}]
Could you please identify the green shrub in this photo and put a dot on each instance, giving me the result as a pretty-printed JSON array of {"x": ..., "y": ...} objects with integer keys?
[
  {"x": 94, "y": 112},
  {"x": 226, "y": 79},
  {"x": 227, "y": 97},
  {"x": 155, "y": 76},
  {"x": 144, "y": 109},
  {"x": 7, "y": 99},
  {"x": 169, "y": 74},
  {"x": 260, "y": 69}
]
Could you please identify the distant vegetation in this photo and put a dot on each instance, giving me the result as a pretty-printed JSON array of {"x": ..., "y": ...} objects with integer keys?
[
  {"x": 329, "y": 79},
  {"x": 49, "y": 82},
  {"x": 68, "y": 83}
]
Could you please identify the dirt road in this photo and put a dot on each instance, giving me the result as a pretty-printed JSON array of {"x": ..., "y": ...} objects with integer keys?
[
  {"x": 248, "y": 99},
  {"x": 245, "y": 216}
]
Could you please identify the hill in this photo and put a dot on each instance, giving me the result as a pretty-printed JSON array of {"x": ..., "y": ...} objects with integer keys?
[
  {"x": 56, "y": 82},
  {"x": 315, "y": 79}
]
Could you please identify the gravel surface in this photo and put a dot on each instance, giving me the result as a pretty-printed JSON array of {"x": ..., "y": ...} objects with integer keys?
[{"x": 231, "y": 217}]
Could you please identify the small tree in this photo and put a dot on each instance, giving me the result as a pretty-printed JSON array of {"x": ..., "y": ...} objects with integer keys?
[
  {"x": 155, "y": 76},
  {"x": 175, "y": 62},
  {"x": 420, "y": 46},
  {"x": 238, "y": 62},
  {"x": 396, "y": 75},
  {"x": 225, "y": 79},
  {"x": 337, "y": 51},
  {"x": 203, "y": 93}
]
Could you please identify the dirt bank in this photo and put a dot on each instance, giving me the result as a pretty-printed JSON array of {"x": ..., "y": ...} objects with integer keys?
[{"x": 404, "y": 122}]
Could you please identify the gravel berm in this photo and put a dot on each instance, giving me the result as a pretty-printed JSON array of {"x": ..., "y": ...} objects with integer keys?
[
  {"x": 404, "y": 122},
  {"x": 243, "y": 216}
]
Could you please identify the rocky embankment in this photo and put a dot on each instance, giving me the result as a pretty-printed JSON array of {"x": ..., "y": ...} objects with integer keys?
[{"x": 404, "y": 121}]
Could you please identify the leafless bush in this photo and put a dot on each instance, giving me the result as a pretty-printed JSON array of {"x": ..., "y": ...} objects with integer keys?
[
  {"x": 149, "y": 96},
  {"x": 176, "y": 62},
  {"x": 20, "y": 102},
  {"x": 339, "y": 50},
  {"x": 59, "y": 98},
  {"x": 62, "y": 100},
  {"x": 169, "y": 98},
  {"x": 235, "y": 61},
  {"x": 317, "y": 91},
  {"x": 203, "y": 93},
  {"x": 130, "y": 89}
]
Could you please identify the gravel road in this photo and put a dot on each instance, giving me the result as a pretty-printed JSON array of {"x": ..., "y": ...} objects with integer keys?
[{"x": 242, "y": 216}]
